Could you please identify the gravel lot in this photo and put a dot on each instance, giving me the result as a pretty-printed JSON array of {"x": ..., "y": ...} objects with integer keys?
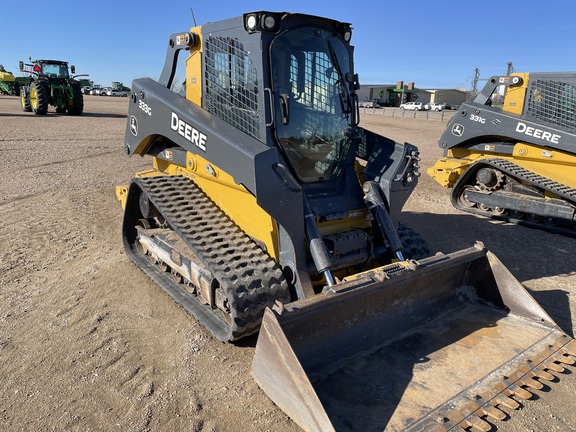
[{"x": 89, "y": 343}]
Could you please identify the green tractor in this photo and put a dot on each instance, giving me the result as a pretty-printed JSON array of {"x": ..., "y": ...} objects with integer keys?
[
  {"x": 117, "y": 85},
  {"x": 50, "y": 83}
]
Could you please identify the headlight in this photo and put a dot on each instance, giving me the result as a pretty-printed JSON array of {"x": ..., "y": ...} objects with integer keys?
[
  {"x": 251, "y": 22},
  {"x": 269, "y": 22},
  {"x": 262, "y": 21},
  {"x": 347, "y": 35}
]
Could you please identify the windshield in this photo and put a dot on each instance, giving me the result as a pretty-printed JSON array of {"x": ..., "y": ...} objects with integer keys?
[
  {"x": 312, "y": 101},
  {"x": 55, "y": 70}
]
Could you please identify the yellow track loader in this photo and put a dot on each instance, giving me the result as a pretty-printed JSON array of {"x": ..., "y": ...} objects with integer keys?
[
  {"x": 511, "y": 153},
  {"x": 268, "y": 210}
]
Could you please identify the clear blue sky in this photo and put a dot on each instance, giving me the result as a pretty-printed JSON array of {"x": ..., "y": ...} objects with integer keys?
[{"x": 436, "y": 44}]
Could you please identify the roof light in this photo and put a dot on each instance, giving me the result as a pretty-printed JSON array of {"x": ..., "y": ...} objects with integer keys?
[
  {"x": 251, "y": 22},
  {"x": 269, "y": 22},
  {"x": 347, "y": 35}
]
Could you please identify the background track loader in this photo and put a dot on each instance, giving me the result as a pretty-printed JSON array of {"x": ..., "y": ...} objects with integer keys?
[
  {"x": 511, "y": 153},
  {"x": 267, "y": 209}
]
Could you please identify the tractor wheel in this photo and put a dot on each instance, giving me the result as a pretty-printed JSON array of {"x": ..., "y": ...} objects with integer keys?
[
  {"x": 38, "y": 98},
  {"x": 76, "y": 105},
  {"x": 25, "y": 100}
]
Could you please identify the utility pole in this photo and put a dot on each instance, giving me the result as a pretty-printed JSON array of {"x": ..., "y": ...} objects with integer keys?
[
  {"x": 475, "y": 80},
  {"x": 472, "y": 95},
  {"x": 510, "y": 70}
]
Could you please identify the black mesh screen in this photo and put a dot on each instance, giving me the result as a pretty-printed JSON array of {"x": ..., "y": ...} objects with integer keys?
[
  {"x": 554, "y": 102},
  {"x": 231, "y": 84}
]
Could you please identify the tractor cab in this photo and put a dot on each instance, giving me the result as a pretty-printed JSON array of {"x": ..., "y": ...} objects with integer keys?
[{"x": 48, "y": 68}]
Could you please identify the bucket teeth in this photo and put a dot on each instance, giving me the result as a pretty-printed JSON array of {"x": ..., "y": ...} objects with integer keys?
[
  {"x": 532, "y": 383},
  {"x": 570, "y": 348},
  {"x": 564, "y": 359},
  {"x": 476, "y": 423},
  {"x": 520, "y": 392},
  {"x": 553, "y": 366},
  {"x": 492, "y": 412},
  {"x": 506, "y": 402},
  {"x": 542, "y": 374}
]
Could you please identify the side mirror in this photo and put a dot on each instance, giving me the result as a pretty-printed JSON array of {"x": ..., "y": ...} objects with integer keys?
[
  {"x": 21, "y": 65},
  {"x": 73, "y": 69}
]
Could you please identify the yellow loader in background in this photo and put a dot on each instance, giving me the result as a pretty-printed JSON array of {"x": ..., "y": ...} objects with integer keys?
[
  {"x": 511, "y": 153},
  {"x": 268, "y": 209}
]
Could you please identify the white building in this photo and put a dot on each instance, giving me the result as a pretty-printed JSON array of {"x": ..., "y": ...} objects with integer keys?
[{"x": 395, "y": 94}]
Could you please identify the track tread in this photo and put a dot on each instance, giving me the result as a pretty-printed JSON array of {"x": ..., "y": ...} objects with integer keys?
[
  {"x": 533, "y": 178},
  {"x": 515, "y": 171},
  {"x": 250, "y": 278}
]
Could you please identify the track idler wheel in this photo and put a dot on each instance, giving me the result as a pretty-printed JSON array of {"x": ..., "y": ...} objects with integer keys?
[
  {"x": 163, "y": 266},
  {"x": 550, "y": 221},
  {"x": 463, "y": 200},
  {"x": 146, "y": 208},
  {"x": 139, "y": 246},
  {"x": 484, "y": 207}
]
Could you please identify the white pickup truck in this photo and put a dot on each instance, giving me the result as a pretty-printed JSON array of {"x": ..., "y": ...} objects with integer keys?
[
  {"x": 412, "y": 106},
  {"x": 434, "y": 106}
]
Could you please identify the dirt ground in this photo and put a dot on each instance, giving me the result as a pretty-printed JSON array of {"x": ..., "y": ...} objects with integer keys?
[{"x": 89, "y": 343}]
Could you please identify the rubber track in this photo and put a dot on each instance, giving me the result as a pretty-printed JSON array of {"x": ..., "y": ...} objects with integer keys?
[
  {"x": 250, "y": 278},
  {"x": 534, "y": 179}
]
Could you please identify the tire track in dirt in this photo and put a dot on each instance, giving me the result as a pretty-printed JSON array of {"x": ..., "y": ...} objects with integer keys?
[
  {"x": 71, "y": 280},
  {"x": 65, "y": 161}
]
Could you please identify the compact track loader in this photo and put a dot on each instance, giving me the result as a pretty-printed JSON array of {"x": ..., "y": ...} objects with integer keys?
[
  {"x": 511, "y": 153},
  {"x": 268, "y": 209}
]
